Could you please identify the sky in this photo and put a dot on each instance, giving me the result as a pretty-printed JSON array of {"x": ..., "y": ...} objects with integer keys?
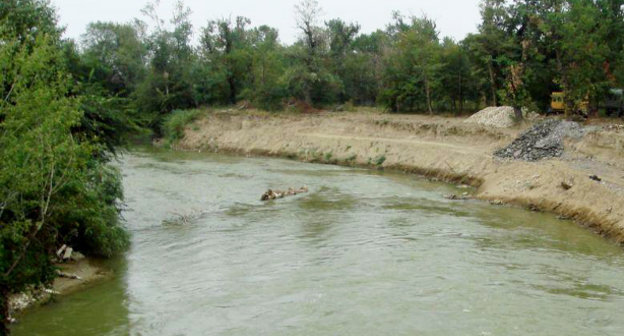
[{"x": 454, "y": 18}]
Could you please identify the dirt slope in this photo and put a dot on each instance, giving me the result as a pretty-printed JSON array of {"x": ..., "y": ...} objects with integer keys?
[{"x": 444, "y": 148}]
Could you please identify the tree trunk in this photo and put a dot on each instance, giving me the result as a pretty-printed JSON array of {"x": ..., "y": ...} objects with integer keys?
[
  {"x": 564, "y": 82},
  {"x": 4, "y": 311},
  {"x": 428, "y": 92},
  {"x": 307, "y": 95},
  {"x": 232, "y": 85},
  {"x": 518, "y": 113},
  {"x": 492, "y": 83},
  {"x": 461, "y": 95}
]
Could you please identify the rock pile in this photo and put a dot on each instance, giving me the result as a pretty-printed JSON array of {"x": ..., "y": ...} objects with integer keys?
[
  {"x": 544, "y": 140},
  {"x": 501, "y": 116}
]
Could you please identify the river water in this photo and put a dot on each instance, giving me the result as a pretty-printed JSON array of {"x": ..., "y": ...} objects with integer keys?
[{"x": 364, "y": 253}]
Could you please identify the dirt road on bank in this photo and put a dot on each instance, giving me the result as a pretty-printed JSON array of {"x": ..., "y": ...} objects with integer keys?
[{"x": 444, "y": 148}]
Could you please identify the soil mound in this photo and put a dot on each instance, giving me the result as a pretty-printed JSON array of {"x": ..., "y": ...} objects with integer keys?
[
  {"x": 501, "y": 116},
  {"x": 542, "y": 141}
]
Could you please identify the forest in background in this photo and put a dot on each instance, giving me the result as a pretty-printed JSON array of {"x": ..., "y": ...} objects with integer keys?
[
  {"x": 523, "y": 51},
  {"x": 66, "y": 106}
]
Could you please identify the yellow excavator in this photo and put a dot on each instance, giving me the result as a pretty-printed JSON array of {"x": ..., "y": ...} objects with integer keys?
[
  {"x": 557, "y": 104},
  {"x": 612, "y": 104}
]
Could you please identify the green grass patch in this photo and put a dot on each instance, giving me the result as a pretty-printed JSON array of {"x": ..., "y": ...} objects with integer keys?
[
  {"x": 380, "y": 160},
  {"x": 174, "y": 124}
]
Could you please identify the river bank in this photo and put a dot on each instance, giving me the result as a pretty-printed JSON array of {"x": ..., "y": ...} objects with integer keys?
[
  {"x": 363, "y": 252},
  {"x": 73, "y": 276},
  {"x": 443, "y": 148}
]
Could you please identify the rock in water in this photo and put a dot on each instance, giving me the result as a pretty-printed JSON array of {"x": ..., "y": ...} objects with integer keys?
[
  {"x": 271, "y": 194},
  {"x": 68, "y": 253}
]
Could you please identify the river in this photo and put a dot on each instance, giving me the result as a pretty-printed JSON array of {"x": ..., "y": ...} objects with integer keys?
[{"x": 364, "y": 253}]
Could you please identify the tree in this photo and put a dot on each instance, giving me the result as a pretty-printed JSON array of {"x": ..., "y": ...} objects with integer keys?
[
  {"x": 491, "y": 42},
  {"x": 456, "y": 80},
  {"x": 364, "y": 70},
  {"x": 342, "y": 60},
  {"x": 48, "y": 175},
  {"x": 114, "y": 56},
  {"x": 227, "y": 44},
  {"x": 576, "y": 35},
  {"x": 108, "y": 70},
  {"x": 413, "y": 64},
  {"x": 267, "y": 88},
  {"x": 168, "y": 83},
  {"x": 309, "y": 75},
  {"x": 54, "y": 187}
]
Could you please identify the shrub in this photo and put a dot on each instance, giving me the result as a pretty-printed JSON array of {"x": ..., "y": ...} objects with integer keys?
[{"x": 175, "y": 123}]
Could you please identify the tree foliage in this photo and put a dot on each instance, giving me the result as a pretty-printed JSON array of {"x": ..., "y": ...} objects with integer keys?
[
  {"x": 522, "y": 52},
  {"x": 55, "y": 186}
]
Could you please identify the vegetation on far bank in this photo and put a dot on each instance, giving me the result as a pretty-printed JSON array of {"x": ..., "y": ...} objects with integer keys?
[{"x": 522, "y": 52}]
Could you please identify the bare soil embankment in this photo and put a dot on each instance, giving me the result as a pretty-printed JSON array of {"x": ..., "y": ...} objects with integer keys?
[{"x": 444, "y": 148}]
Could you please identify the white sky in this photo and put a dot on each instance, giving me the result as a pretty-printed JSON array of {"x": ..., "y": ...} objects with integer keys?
[{"x": 455, "y": 18}]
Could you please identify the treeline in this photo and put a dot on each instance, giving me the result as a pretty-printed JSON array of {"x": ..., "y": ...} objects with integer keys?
[{"x": 523, "y": 51}]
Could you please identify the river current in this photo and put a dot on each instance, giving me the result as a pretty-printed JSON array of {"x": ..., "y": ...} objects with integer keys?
[{"x": 363, "y": 253}]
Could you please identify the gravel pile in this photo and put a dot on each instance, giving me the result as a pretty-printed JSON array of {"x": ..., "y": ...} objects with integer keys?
[
  {"x": 544, "y": 140},
  {"x": 502, "y": 117}
]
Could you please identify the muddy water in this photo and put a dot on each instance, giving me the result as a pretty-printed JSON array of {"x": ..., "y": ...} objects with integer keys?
[{"x": 364, "y": 253}]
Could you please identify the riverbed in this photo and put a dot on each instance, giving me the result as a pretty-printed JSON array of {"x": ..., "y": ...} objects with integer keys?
[{"x": 365, "y": 252}]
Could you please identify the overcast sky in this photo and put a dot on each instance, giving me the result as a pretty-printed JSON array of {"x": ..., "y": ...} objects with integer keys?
[{"x": 455, "y": 18}]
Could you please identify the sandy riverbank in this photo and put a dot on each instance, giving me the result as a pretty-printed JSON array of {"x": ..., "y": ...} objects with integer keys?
[
  {"x": 445, "y": 148},
  {"x": 86, "y": 272}
]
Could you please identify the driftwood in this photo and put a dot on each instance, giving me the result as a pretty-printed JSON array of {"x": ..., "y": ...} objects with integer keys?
[
  {"x": 275, "y": 194},
  {"x": 64, "y": 253},
  {"x": 454, "y": 197},
  {"x": 60, "y": 251},
  {"x": 62, "y": 274},
  {"x": 67, "y": 253}
]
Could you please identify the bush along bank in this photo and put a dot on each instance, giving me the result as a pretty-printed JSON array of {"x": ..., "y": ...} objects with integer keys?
[{"x": 56, "y": 186}]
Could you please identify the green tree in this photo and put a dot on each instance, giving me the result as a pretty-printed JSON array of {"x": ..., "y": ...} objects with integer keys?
[
  {"x": 364, "y": 67},
  {"x": 168, "y": 84},
  {"x": 267, "y": 88},
  {"x": 456, "y": 79},
  {"x": 413, "y": 65},
  {"x": 576, "y": 35},
  {"x": 52, "y": 189},
  {"x": 54, "y": 186},
  {"x": 308, "y": 75},
  {"x": 490, "y": 44},
  {"x": 341, "y": 52},
  {"x": 114, "y": 55},
  {"x": 228, "y": 44}
]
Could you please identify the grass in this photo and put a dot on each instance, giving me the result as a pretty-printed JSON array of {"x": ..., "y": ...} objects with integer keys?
[
  {"x": 175, "y": 123},
  {"x": 380, "y": 160}
]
